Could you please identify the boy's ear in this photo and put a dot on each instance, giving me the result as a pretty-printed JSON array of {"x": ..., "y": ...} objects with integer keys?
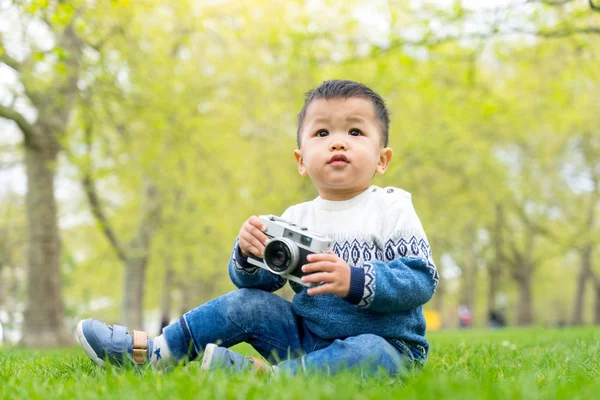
[
  {"x": 300, "y": 161},
  {"x": 384, "y": 160}
]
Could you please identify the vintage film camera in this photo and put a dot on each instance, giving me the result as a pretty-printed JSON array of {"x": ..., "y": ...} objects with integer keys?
[{"x": 288, "y": 245}]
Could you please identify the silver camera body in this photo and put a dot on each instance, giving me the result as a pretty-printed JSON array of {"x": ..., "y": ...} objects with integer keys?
[{"x": 288, "y": 245}]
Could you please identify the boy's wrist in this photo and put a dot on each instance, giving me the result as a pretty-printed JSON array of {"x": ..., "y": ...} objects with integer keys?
[{"x": 241, "y": 260}]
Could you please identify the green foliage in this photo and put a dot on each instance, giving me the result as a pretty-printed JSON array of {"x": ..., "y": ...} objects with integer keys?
[{"x": 201, "y": 100}]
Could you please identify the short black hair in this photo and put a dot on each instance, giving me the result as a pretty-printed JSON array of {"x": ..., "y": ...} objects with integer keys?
[{"x": 333, "y": 89}]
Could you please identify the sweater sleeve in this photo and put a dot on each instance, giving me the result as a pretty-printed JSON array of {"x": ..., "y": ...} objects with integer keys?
[
  {"x": 406, "y": 278},
  {"x": 245, "y": 275}
]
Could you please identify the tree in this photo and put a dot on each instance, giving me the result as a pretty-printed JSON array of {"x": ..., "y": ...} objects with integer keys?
[{"x": 52, "y": 95}]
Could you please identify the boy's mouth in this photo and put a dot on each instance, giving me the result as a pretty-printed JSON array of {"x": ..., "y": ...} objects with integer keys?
[{"x": 338, "y": 160}]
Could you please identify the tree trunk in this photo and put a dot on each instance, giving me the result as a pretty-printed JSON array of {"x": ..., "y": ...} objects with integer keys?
[
  {"x": 135, "y": 281},
  {"x": 495, "y": 267},
  {"x": 525, "y": 312},
  {"x": 165, "y": 303},
  {"x": 187, "y": 288},
  {"x": 522, "y": 268},
  {"x": 469, "y": 275},
  {"x": 133, "y": 292},
  {"x": 186, "y": 298},
  {"x": 43, "y": 324},
  {"x": 493, "y": 285},
  {"x": 597, "y": 303},
  {"x": 137, "y": 260},
  {"x": 584, "y": 274}
]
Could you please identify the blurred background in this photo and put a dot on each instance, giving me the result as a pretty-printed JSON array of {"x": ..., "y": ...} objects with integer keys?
[{"x": 137, "y": 136}]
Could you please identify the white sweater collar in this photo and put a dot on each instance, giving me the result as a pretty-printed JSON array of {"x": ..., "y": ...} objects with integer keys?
[{"x": 338, "y": 205}]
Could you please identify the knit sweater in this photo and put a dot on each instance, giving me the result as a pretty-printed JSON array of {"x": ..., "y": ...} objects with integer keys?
[{"x": 380, "y": 236}]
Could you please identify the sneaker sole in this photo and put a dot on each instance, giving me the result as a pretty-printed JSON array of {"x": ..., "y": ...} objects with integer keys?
[
  {"x": 86, "y": 346},
  {"x": 209, "y": 350}
]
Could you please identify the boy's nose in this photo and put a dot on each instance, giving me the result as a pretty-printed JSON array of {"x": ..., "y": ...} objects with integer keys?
[{"x": 337, "y": 145}]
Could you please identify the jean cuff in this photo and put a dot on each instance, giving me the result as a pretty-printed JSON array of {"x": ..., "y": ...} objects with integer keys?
[{"x": 180, "y": 342}]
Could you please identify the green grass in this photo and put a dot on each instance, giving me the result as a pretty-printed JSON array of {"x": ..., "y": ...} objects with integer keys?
[{"x": 505, "y": 364}]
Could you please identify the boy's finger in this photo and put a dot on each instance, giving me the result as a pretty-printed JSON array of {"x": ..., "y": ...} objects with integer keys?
[
  {"x": 254, "y": 232},
  {"x": 319, "y": 266},
  {"x": 259, "y": 252},
  {"x": 253, "y": 243},
  {"x": 255, "y": 248},
  {"x": 260, "y": 248},
  {"x": 254, "y": 251},
  {"x": 251, "y": 232},
  {"x": 256, "y": 222},
  {"x": 322, "y": 257},
  {"x": 245, "y": 248},
  {"x": 318, "y": 277}
]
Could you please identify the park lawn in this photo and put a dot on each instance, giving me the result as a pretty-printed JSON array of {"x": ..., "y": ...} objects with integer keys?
[{"x": 532, "y": 363}]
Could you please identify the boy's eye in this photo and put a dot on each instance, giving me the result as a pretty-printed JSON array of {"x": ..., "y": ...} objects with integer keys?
[
  {"x": 354, "y": 132},
  {"x": 322, "y": 133}
]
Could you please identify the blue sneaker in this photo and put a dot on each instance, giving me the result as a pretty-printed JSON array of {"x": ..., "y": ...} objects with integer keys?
[
  {"x": 113, "y": 343},
  {"x": 216, "y": 357}
]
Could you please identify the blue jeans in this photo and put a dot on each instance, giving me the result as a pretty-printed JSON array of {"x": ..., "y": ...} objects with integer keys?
[{"x": 268, "y": 323}]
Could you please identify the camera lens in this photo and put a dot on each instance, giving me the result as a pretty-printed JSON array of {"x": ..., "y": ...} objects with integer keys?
[
  {"x": 280, "y": 258},
  {"x": 281, "y": 255}
]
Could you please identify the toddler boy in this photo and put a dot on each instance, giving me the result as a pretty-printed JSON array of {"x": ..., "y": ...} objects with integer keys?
[{"x": 366, "y": 313}]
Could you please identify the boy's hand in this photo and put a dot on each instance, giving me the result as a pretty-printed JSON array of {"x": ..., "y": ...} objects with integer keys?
[
  {"x": 330, "y": 269},
  {"x": 252, "y": 237}
]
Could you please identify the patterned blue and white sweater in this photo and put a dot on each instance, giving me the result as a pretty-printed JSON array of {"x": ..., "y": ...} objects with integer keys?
[{"x": 379, "y": 234}]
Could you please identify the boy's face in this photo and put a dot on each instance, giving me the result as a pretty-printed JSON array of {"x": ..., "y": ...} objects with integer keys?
[{"x": 341, "y": 146}]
